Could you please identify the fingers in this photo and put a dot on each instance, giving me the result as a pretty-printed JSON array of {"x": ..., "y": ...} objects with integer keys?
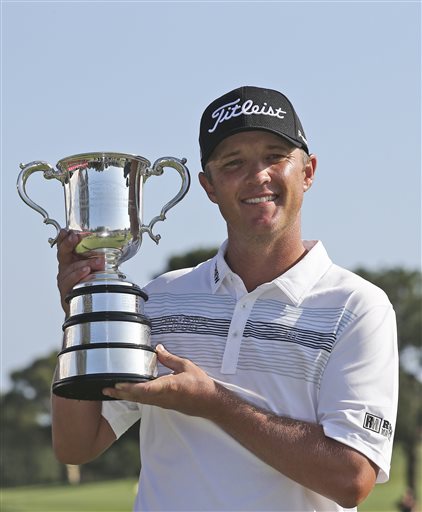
[
  {"x": 72, "y": 268},
  {"x": 66, "y": 242},
  {"x": 145, "y": 392},
  {"x": 175, "y": 363},
  {"x": 152, "y": 392},
  {"x": 148, "y": 392},
  {"x": 188, "y": 389},
  {"x": 71, "y": 274}
]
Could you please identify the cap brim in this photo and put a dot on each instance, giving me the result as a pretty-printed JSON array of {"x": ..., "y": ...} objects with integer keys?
[{"x": 239, "y": 129}]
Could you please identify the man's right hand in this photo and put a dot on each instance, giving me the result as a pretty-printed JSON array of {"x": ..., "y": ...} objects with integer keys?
[{"x": 72, "y": 267}]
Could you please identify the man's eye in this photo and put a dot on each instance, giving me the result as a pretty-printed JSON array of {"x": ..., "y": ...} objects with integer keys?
[
  {"x": 276, "y": 157},
  {"x": 233, "y": 163}
]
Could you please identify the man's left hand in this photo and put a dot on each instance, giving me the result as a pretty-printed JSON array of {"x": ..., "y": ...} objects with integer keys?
[{"x": 188, "y": 389}]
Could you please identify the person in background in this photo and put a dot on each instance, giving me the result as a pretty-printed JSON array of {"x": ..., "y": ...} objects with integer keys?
[{"x": 408, "y": 502}]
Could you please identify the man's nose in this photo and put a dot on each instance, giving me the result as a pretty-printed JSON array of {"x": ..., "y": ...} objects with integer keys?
[{"x": 258, "y": 172}]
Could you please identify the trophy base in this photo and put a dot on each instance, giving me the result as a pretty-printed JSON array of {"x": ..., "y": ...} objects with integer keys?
[
  {"x": 89, "y": 387},
  {"x": 106, "y": 340}
]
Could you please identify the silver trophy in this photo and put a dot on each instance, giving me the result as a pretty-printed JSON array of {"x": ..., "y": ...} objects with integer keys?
[{"x": 106, "y": 337}]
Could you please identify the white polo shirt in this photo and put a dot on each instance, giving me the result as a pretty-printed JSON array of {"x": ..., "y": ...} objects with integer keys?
[{"x": 316, "y": 344}]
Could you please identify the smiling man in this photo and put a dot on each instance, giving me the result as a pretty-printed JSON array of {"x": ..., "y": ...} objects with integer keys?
[
  {"x": 258, "y": 181},
  {"x": 278, "y": 380}
]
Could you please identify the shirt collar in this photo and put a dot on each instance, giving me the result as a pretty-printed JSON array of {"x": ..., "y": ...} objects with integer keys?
[
  {"x": 302, "y": 277},
  {"x": 295, "y": 283},
  {"x": 219, "y": 268}
]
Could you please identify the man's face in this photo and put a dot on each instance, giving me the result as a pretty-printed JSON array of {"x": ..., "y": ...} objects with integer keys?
[{"x": 258, "y": 179}]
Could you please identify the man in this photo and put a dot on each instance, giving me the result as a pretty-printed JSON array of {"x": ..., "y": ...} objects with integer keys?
[{"x": 278, "y": 386}]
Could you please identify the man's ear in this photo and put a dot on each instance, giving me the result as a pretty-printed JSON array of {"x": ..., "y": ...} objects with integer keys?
[
  {"x": 207, "y": 185},
  {"x": 309, "y": 172}
]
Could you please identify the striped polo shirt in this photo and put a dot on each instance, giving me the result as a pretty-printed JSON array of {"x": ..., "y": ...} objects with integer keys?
[{"x": 316, "y": 344}]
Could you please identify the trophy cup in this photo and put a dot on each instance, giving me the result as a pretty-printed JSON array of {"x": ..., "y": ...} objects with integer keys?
[{"x": 106, "y": 337}]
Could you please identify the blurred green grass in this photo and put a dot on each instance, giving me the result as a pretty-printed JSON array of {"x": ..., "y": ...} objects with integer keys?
[
  {"x": 118, "y": 495},
  {"x": 110, "y": 496}
]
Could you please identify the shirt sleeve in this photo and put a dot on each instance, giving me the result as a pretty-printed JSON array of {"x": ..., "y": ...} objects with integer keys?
[
  {"x": 121, "y": 415},
  {"x": 359, "y": 389}
]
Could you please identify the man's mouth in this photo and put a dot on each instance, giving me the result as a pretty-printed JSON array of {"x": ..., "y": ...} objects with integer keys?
[{"x": 262, "y": 199}]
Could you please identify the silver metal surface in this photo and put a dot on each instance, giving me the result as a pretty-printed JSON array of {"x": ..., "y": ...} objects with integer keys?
[
  {"x": 49, "y": 173},
  {"x": 89, "y": 333},
  {"x": 93, "y": 302},
  {"x": 101, "y": 280},
  {"x": 105, "y": 360},
  {"x": 103, "y": 200}
]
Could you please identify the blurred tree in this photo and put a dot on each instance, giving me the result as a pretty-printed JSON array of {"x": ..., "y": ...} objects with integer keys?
[
  {"x": 409, "y": 426},
  {"x": 27, "y": 454},
  {"x": 189, "y": 259},
  {"x": 404, "y": 289}
]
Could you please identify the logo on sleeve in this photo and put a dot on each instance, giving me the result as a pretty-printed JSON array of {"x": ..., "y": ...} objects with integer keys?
[{"x": 378, "y": 425}]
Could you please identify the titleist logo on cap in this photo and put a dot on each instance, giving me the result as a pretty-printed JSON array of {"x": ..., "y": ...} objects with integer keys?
[{"x": 248, "y": 107}]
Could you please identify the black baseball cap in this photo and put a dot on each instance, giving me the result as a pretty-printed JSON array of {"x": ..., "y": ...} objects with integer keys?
[{"x": 249, "y": 108}]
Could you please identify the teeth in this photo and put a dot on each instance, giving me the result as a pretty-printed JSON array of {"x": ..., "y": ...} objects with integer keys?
[{"x": 255, "y": 200}]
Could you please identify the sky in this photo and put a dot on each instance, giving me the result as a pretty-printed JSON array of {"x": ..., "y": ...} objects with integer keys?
[{"x": 135, "y": 77}]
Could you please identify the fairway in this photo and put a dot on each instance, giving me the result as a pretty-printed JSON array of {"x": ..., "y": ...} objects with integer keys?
[{"x": 113, "y": 496}]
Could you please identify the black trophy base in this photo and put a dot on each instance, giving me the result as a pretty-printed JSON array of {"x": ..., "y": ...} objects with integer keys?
[{"x": 89, "y": 387}]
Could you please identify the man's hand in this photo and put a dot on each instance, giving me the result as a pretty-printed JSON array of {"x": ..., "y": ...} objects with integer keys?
[
  {"x": 72, "y": 268},
  {"x": 188, "y": 389}
]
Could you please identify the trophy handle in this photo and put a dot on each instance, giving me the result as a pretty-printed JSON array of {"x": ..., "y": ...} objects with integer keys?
[
  {"x": 157, "y": 170},
  {"x": 49, "y": 173}
]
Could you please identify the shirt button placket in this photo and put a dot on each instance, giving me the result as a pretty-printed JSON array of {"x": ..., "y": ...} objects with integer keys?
[{"x": 234, "y": 338}]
